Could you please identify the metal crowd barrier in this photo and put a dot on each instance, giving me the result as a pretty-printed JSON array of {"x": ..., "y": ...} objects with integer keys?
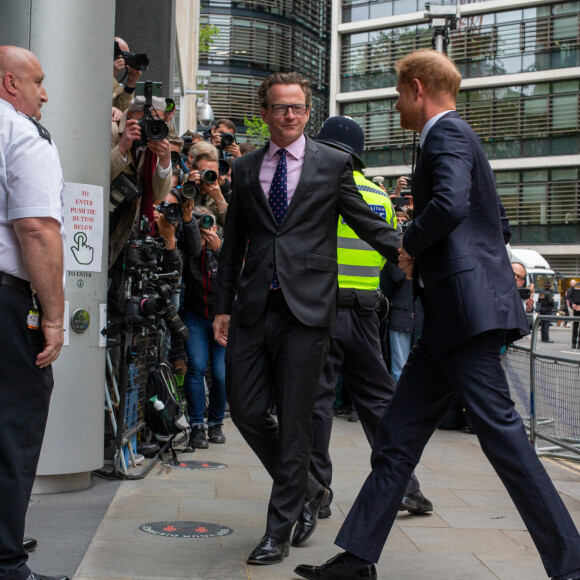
[{"x": 546, "y": 390}]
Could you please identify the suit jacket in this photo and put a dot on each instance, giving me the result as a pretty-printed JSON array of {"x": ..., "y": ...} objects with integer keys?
[
  {"x": 458, "y": 240},
  {"x": 161, "y": 186},
  {"x": 302, "y": 249}
]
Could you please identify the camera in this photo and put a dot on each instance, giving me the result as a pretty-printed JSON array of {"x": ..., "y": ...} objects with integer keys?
[
  {"x": 152, "y": 128},
  {"x": 136, "y": 61},
  {"x": 524, "y": 293},
  {"x": 208, "y": 176},
  {"x": 205, "y": 220},
  {"x": 227, "y": 139},
  {"x": 172, "y": 212},
  {"x": 189, "y": 190},
  {"x": 143, "y": 252},
  {"x": 400, "y": 201},
  {"x": 126, "y": 187}
]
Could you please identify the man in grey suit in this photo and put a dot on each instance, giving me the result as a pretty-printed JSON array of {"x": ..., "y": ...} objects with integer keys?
[
  {"x": 455, "y": 252},
  {"x": 281, "y": 227}
]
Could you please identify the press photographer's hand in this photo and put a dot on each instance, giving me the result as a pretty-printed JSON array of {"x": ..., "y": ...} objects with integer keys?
[{"x": 162, "y": 150}]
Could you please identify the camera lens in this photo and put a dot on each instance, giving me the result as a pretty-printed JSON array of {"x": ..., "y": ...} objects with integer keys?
[
  {"x": 189, "y": 190},
  {"x": 227, "y": 139},
  {"x": 156, "y": 130},
  {"x": 174, "y": 158},
  {"x": 154, "y": 305},
  {"x": 173, "y": 213},
  {"x": 224, "y": 167},
  {"x": 206, "y": 221},
  {"x": 208, "y": 176}
]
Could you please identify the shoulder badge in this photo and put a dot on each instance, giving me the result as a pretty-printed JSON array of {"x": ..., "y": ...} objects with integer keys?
[{"x": 41, "y": 130}]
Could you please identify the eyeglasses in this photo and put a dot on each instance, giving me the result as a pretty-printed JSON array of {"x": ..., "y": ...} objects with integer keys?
[
  {"x": 281, "y": 110},
  {"x": 519, "y": 277}
]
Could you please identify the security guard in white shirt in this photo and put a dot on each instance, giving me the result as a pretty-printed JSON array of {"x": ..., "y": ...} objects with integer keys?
[{"x": 31, "y": 257}]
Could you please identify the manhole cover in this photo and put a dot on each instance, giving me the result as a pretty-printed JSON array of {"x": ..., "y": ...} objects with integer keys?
[
  {"x": 195, "y": 465},
  {"x": 186, "y": 529}
]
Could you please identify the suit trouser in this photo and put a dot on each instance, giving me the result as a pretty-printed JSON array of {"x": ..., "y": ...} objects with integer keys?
[
  {"x": 575, "y": 341},
  {"x": 24, "y": 398},
  {"x": 355, "y": 350},
  {"x": 277, "y": 353},
  {"x": 422, "y": 397}
]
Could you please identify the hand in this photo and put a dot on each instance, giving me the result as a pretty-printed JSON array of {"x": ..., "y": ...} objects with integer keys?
[
  {"x": 406, "y": 263},
  {"x": 132, "y": 132},
  {"x": 161, "y": 149},
  {"x": 53, "y": 340},
  {"x": 216, "y": 140},
  {"x": 166, "y": 230},
  {"x": 401, "y": 184},
  {"x": 118, "y": 65},
  {"x": 116, "y": 114},
  {"x": 211, "y": 239},
  {"x": 221, "y": 327},
  {"x": 213, "y": 190},
  {"x": 234, "y": 150},
  {"x": 193, "y": 175},
  {"x": 133, "y": 75},
  {"x": 576, "y": 307},
  {"x": 530, "y": 304},
  {"x": 187, "y": 208}
]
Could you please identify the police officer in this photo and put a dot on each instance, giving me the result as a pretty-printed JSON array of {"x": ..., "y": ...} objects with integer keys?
[
  {"x": 31, "y": 257},
  {"x": 546, "y": 305},
  {"x": 355, "y": 347}
]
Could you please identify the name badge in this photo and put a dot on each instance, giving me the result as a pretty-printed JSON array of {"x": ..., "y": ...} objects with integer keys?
[{"x": 33, "y": 319}]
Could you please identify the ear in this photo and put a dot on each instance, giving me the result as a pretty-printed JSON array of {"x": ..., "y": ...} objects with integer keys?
[
  {"x": 10, "y": 83},
  {"x": 263, "y": 112},
  {"x": 418, "y": 88}
]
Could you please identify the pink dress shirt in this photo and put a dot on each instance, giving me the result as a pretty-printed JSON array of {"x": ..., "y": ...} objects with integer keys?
[{"x": 294, "y": 163}]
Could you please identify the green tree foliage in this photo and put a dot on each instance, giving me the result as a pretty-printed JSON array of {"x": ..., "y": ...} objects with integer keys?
[
  {"x": 255, "y": 127},
  {"x": 206, "y": 36}
]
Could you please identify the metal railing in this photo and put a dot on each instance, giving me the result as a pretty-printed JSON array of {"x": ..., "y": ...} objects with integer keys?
[{"x": 546, "y": 390}]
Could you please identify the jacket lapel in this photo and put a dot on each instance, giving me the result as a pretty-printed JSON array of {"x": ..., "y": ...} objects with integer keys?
[{"x": 254, "y": 168}]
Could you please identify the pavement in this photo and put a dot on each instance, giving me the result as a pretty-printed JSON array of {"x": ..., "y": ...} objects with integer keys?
[{"x": 474, "y": 532}]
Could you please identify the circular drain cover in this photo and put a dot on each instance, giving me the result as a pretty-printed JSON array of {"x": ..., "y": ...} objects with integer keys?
[
  {"x": 186, "y": 529},
  {"x": 195, "y": 465}
]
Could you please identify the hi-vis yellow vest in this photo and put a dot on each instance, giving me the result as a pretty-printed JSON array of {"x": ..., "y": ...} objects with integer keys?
[{"x": 359, "y": 264}]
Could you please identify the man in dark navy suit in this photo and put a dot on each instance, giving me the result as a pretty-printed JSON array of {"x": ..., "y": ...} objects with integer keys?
[{"x": 454, "y": 251}]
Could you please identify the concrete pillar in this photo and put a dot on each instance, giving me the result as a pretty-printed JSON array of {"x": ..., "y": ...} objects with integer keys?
[{"x": 73, "y": 40}]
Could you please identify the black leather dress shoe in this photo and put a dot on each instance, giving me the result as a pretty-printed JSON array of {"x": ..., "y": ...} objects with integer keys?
[
  {"x": 324, "y": 512},
  {"x": 29, "y": 544},
  {"x": 308, "y": 519},
  {"x": 34, "y": 576},
  {"x": 416, "y": 503},
  {"x": 269, "y": 551},
  {"x": 337, "y": 569}
]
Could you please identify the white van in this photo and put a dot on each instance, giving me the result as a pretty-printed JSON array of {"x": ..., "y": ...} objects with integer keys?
[{"x": 538, "y": 272}]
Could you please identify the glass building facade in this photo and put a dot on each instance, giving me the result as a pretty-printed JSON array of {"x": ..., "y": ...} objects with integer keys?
[
  {"x": 521, "y": 81},
  {"x": 258, "y": 37}
]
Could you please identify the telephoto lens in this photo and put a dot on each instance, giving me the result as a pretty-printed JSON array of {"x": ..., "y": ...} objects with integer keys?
[
  {"x": 189, "y": 190},
  {"x": 208, "y": 176}
]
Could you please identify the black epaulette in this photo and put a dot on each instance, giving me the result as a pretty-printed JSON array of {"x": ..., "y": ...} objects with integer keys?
[{"x": 41, "y": 130}]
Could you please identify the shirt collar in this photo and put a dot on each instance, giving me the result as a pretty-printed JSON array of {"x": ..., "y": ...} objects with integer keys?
[
  {"x": 428, "y": 125},
  {"x": 295, "y": 149}
]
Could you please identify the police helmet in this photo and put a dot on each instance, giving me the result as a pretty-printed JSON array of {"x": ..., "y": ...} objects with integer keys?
[{"x": 345, "y": 134}]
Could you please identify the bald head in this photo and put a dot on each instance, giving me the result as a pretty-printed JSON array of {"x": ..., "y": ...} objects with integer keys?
[{"x": 21, "y": 79}]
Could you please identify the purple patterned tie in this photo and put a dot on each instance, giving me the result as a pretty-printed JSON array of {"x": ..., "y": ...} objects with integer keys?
[{"x": 278, "y": 198}]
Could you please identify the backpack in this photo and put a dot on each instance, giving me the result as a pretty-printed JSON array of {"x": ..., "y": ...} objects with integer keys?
[{"x": 169, "y": 421}]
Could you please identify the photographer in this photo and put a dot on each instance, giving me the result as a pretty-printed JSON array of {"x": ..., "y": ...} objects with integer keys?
[
  {"x": 545, "y": 306},
  {"x": 147, "y": 167},
  {"x": 197, "y": 313},
  {"x": 122, "y": 94},
  {"x": 223, "y": 137},
  {"x": 204, "y": 173},
  {"x": 527, "y": 297}
]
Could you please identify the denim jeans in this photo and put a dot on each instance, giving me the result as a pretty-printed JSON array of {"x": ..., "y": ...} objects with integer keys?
[
  {"x": 400, "y": 345},
  {"x": 197, "y": 348}
]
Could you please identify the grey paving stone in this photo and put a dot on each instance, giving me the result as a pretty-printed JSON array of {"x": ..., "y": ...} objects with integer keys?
[{"x": 506, "y": 518}]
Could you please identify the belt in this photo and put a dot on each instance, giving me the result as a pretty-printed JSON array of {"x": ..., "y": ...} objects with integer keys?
[{"x": 14, "y": 282}]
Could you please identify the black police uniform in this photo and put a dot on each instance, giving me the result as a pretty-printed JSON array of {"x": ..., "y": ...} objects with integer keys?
[{"x": 546, "y": 305}]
